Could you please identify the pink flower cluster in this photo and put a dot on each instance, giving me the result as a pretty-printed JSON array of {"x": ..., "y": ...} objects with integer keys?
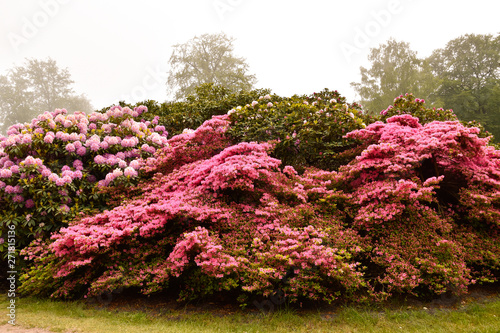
[
  {"x": 86, "y": 140},
  {"x": 211, "y": 257},
  {"x": 191, "y": 146}
]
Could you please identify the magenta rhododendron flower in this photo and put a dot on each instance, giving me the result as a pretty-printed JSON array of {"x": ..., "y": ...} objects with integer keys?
[
  {"x": 53, "y": 177},
  {"x": 49, "y": 138},
  {"x": 81, "y": 151},
  {"x": 64, "y": 208},
  {"x": 5, "y": 173},
  {"x": 18, "y": 198},
  {"x": 99, "y": 159},
  {"x": 135, "y": 164},
  {"x": 29, "y": 203},
  {"x": 117, "y": 173},
  {"x": 70, "y": 147}
]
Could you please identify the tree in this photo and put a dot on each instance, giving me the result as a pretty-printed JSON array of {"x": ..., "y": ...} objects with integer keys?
[
  {"x": 469, "y": 68},
  {"x": 207, "y": 58},
  {"x": 395, "y": 70},
  {"x": 38, "y": 86}
]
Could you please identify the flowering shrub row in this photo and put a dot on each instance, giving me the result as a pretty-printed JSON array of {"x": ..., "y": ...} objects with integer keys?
[
  {"x": 416, "y": 212},
  {"x": 232, "y": 217},
  {"x": 52, "y": 169}
]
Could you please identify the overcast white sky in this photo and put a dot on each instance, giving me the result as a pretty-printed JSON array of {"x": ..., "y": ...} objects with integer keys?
[{"x": 118, "y": 50}]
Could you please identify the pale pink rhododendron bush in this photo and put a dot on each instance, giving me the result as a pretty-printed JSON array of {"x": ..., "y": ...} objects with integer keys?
[
  {"x": 51, "y": 169},
  {"x": 416, "y": 212}
]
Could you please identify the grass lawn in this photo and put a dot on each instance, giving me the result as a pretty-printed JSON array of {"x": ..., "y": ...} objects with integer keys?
[{"x": 466, "y": 315}]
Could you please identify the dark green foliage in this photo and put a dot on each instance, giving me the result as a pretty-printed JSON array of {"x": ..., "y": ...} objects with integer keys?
[{"x": 308, "y": 130}]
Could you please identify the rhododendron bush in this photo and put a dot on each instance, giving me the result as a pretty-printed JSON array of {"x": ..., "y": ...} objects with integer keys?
[
  {"x": 427, "y": 203},
  {"x": 309, "y": 129},
  {"x": 416, "y": 212},
  {"x": 409, "y": 104},
  {"x": 53, "y": 168}
]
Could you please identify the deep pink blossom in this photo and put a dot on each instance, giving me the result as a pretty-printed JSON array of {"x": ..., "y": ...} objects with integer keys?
[{"x": 18, "y": 198}]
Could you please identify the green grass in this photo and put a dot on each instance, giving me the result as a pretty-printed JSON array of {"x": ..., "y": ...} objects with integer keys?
[{"x": 59, "y": 316}]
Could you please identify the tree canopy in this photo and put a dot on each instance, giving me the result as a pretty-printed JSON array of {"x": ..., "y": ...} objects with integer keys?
[
  {"x": 394, "y": 71},
  {"x": 468, "y": 69},
  {"x": 207, "y": 58},
  {"x": 37, "y": 86},
  {"x": 463, "y": 76}
]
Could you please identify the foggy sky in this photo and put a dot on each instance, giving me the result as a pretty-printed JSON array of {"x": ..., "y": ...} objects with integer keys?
[{"x": 119, "y": 50}]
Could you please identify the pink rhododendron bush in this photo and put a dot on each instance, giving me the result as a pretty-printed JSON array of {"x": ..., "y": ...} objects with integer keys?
[
  {"x": 416, "y": 213},
  {"x": 53, "y": 168},
  {"x": 426, "y": 201}
]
